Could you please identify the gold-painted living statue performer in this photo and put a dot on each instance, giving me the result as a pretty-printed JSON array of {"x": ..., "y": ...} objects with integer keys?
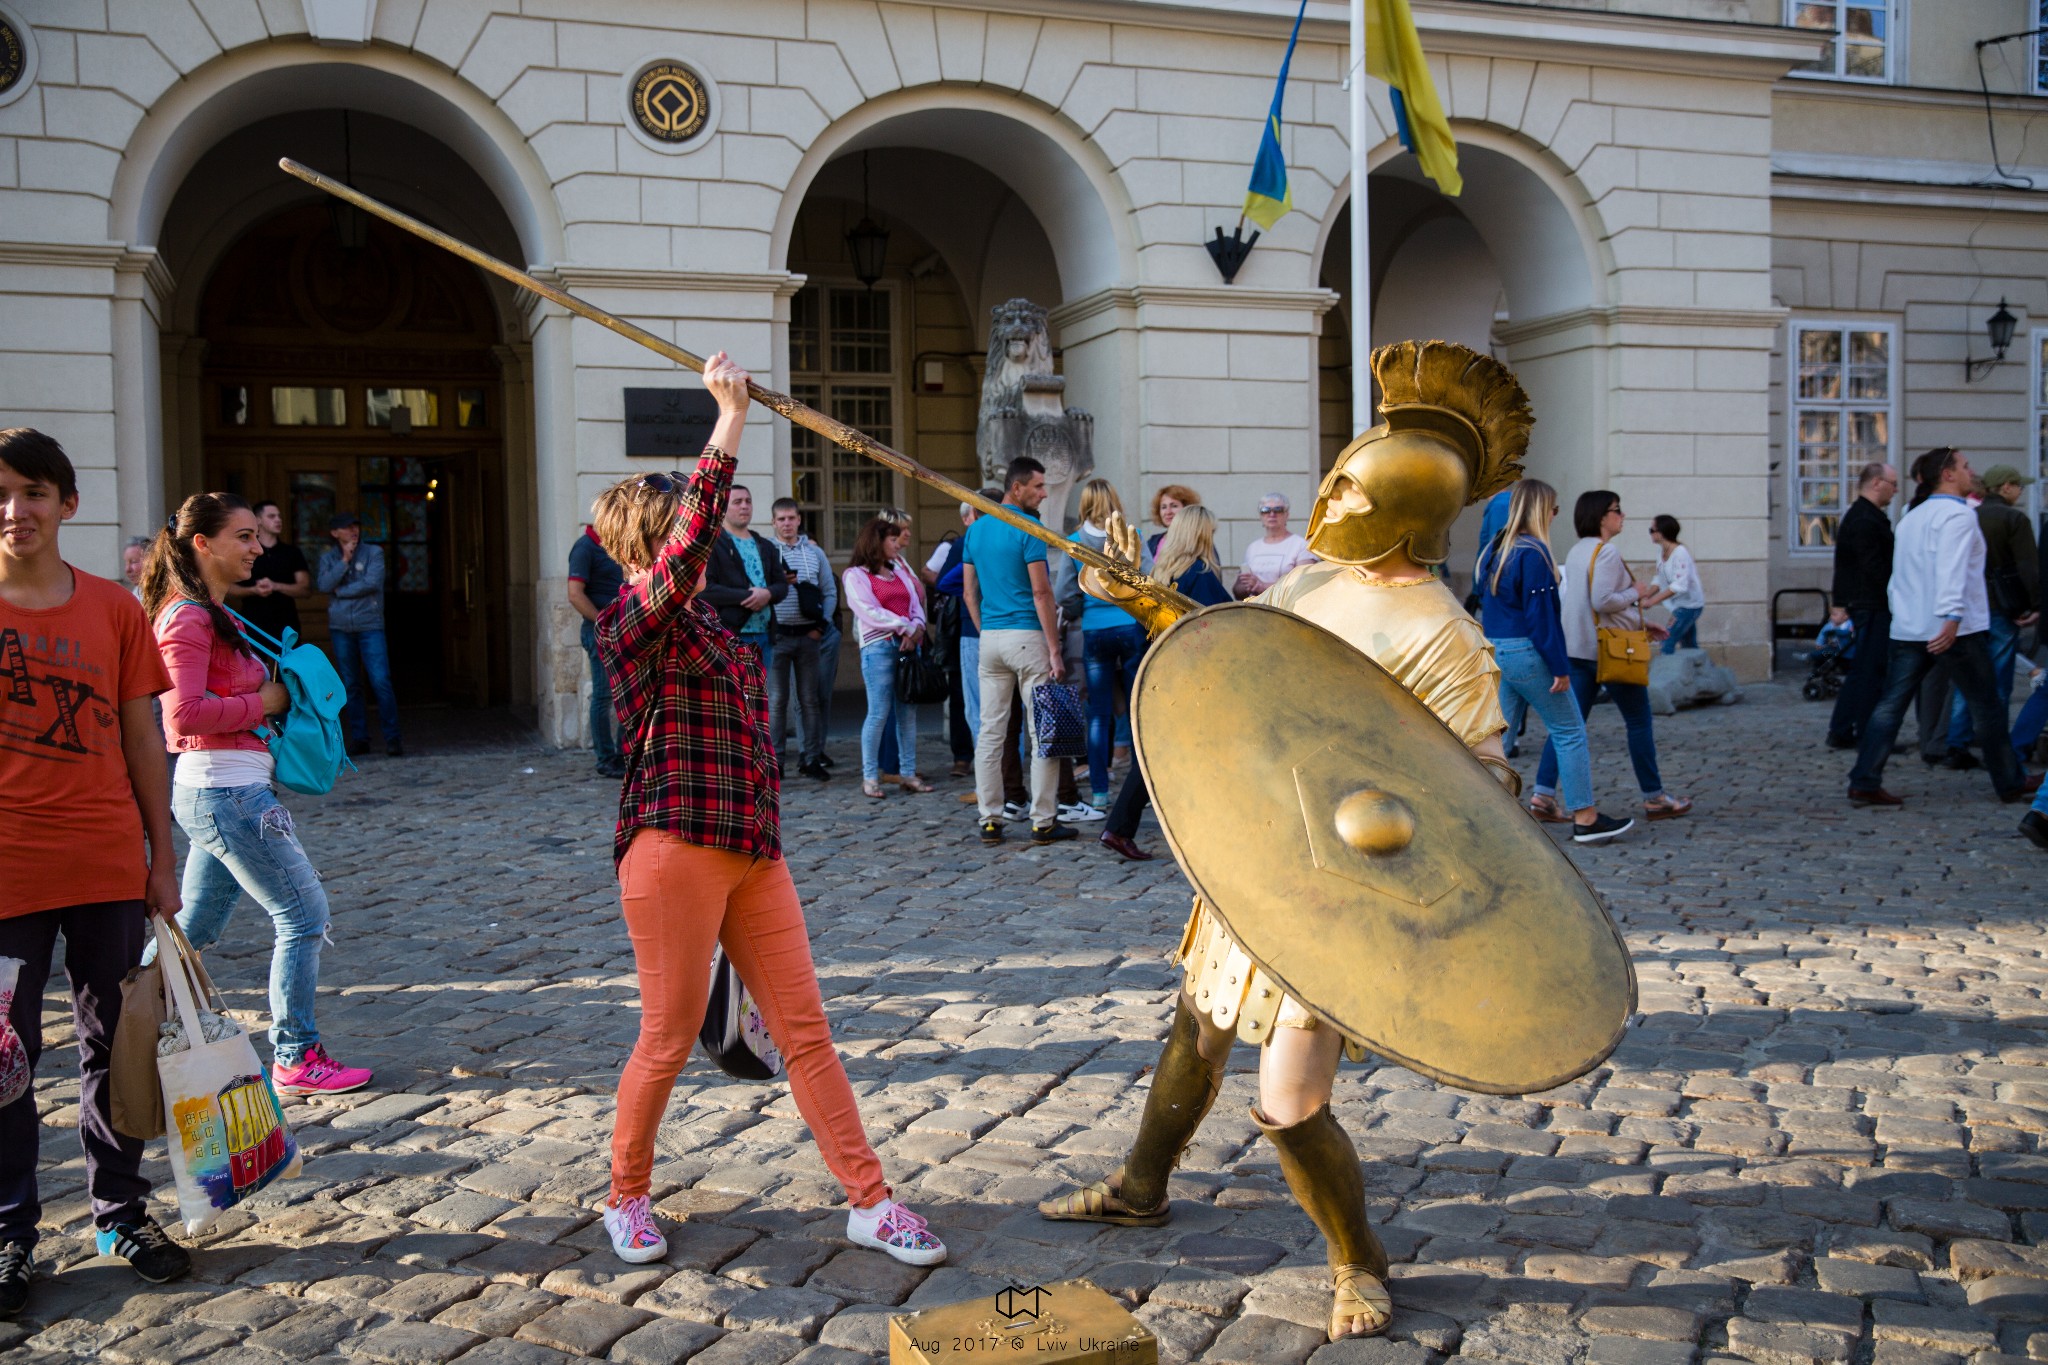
[{"x": 1377, "y": 892}]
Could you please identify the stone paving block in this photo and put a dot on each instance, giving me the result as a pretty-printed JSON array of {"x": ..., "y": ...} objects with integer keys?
[
  {"x": 411, "y": 1343},
  {"x": 1937, "y": 1328},
  {"x": 777, "y": 1262},
  {"x": 1635, "y": 1351},
  {"x": 1255, "y": 1340},
  {"x": 820, "y": 1354},
  {"x": 694, "y": 1295},
  {"x": 434, "y": 1250},
  {"x": 499, "y": 1311},
  {"x": 583, "y": 1327},
  {"x": 507, "y": 1351},
  {"x": 663, "y": 1342},
  {"x": 758, "y": 1348},
  {"x": 1200, "y": 1290},
  {"x": 1840, "y": 1275},
  {"x": 316, "y": 1328},
  {"x": 1945, "y": 1219},
  {"x": 244, "y": 1310},
  {"x": 423, "y": 1296},
  {"x": 385, "y": 1109},
  {"x": 1973, "y": 1260},
  {"x": 1182, "y": 1335},
  {"x": 860, "y": 1327},
  {"x": 2010, "y": 1298},
  {"x": 1372, "y": 1351},
  {"x": 792, "y": 1312},
  {"x": 514, "y": 1260},
  {"x": 863, "y": 1276},
  {"x": 604, "y": 1277},
  {"x": 1773, "y": 1343},
  {"x": 170, "y": 1344},
  {"x": 464, "y": 1211}
]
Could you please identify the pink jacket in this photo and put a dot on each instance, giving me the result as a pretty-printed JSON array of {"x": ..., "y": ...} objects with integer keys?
[
  {"x": 877, "y": 622},
  {"x": 199, "y": 662}
]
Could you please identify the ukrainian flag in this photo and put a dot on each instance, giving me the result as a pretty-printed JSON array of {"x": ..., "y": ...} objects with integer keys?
[
  {"x": 1394, "y": 54},
  {"x": 1269, "y": 196}
]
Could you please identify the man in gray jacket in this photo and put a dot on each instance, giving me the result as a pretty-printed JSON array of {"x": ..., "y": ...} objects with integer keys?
[{"x": 352, "y": 576}]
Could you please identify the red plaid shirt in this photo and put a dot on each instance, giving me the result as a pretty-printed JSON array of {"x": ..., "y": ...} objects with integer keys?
[{"x": 691, "y": 699}]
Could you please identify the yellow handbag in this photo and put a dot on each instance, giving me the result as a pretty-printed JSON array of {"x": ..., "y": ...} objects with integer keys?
[{"x": 1623, "y": 655}]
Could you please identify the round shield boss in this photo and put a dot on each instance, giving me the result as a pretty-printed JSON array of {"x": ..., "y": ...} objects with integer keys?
[{"x": 1367, "y": 862}]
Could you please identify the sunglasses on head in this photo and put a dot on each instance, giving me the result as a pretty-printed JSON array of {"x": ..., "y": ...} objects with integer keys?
[{"x": 664, "y": 483}]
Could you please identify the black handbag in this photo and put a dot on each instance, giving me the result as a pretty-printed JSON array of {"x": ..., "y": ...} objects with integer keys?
[
  {"x": 733, "y": 1031},
  {"x": 810, "y": 601},
  {"x": 921, "y": 677}
]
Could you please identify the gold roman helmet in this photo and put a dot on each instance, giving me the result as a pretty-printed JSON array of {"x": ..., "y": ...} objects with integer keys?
[{"x": 1456, "y": 426}]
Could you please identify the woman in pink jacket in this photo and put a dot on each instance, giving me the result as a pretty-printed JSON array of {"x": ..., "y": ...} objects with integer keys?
[
  {"x": 887, "y": 603},
  {"x": 215, "y": 719}
]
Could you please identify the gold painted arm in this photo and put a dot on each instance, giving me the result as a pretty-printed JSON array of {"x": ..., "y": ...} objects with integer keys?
[{"x": 1155, "y": 611}]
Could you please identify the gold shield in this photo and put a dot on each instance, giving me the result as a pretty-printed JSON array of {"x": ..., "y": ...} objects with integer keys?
[{"x": 1367, "y": 862}]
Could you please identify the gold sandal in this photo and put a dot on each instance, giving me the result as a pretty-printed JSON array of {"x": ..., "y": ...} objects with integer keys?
[
  {"x": 1359, "y": 1293},
  {"x": 1098, "y": 1203}
]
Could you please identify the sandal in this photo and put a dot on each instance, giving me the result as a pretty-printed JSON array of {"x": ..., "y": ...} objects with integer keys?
[
  {"x": 913, "y": 783},
  {"x": 1359, "y": 1294},
  {"x": 873, "y": 789},
  {"x": 1666, "y": 807},
  {"x": 1546, "y": 809},
  {"x": 1098, "y": 1203}
]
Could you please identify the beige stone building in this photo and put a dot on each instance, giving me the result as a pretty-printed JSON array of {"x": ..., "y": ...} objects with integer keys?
[{"x": 1663, "y": 208}]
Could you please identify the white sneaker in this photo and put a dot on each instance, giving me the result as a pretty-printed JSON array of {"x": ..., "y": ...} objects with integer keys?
[
  {"x": 1013, "y": 811},
  {"x": 635, "y": 1239},
  {"x": 1080, "y": 813},
  {"x": 892, "y": 1228}
]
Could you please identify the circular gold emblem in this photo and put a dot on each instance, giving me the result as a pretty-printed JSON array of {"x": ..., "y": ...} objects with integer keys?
[
  {"x": 1375, "y": 823},
  {"x": 13, "y": 57},
  {"x": 670, "y": 103}
]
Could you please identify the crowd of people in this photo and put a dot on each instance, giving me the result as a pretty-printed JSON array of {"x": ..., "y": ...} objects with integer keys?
[{"x": 1933, "y": 614}]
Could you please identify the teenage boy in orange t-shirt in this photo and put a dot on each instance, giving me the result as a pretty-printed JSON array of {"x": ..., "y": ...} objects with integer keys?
[{"x": 82, "y": 782}]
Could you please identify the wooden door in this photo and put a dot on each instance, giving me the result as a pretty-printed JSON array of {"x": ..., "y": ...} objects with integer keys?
[
  {"x": 309, "y": 487},
  {"x": 460, "y": 496}
]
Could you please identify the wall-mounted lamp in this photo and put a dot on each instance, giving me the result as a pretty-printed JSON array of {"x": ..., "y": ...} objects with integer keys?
[
  {"x": 867, "y": 239},
  {"x": 1998, "y": 328}
]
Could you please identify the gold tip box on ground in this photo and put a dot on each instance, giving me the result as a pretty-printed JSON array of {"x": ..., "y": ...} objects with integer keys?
[{"x": 1069, "y": 1323}]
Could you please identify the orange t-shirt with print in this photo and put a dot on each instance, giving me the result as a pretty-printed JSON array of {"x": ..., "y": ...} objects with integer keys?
[{"x": 73, "y": 830}]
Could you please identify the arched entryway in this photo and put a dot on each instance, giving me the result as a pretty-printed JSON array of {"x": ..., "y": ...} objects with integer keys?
[
  {"x": 1492, "y": 268},
  {"x": 349, "y": 367}
]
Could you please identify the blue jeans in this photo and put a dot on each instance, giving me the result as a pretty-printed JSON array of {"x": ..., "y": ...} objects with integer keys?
[
  {"x": 1684, "y": 629},
  {"x": 242, "y": 840},
  {"x": 1633, "y": 701},
  {"x": 878, "y": 671},
  {"x": 1111, "y": 658},
  {"x": 604, "y": 722},
  {"x": 970, "y": 681},
  {"x": 2005, "y": 647},
  {"x": 1967, "y": 664},
  {"x": 363, "y": 651},
  {"x": 2028, "y": 724},
  {"x": 1525, "y": 686},
  {"x": 828, "y": 679}
]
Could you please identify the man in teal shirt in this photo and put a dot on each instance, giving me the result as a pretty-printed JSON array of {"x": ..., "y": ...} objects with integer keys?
[{"x": 1008, "y": 594}]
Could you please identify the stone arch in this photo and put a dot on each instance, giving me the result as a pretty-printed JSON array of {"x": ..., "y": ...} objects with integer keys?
[{"x": 1061, "y": 176}]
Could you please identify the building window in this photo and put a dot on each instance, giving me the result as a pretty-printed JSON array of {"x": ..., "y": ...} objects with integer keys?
[
  {"x": 842, "y": 362},
  {"x": 2041, "y": 49},
  {"x": 1864, "y": 37},
  {"x": 1841, "y": 385}
]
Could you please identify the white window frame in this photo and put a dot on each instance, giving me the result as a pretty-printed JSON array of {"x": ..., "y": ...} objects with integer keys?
[
  {"x": 2037, "y": 406},
  {"x": 1894, "y": 42},
  {"x": 2038, "y": 50},
  {"x": 1794, "y": 329}
]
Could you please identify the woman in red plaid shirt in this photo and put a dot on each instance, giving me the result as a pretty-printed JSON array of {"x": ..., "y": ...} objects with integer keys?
[{"x": 699, "y": 844}]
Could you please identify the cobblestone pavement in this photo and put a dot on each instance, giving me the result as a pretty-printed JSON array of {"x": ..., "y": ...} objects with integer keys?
[{"x": 1823, "y": 1141}]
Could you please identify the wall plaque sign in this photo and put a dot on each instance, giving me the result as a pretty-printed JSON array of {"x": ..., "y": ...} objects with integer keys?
[
  {"x": 670, "y": 102},
  {"x": 17, "y": 56},
  {"x": 669, "y": 424}
]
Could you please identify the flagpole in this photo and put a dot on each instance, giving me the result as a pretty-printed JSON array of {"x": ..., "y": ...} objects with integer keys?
[{"x": 1361, "y": 232}]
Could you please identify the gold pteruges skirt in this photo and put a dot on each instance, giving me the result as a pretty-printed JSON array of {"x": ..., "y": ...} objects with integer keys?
[{"x": 1224, "y": 984}]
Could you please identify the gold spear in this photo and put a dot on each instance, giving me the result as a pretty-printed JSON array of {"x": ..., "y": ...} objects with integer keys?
[{"x": 802, "y": 414}]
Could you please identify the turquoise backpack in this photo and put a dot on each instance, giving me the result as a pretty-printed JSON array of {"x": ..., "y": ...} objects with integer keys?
[{"x": 306, "y": 747}]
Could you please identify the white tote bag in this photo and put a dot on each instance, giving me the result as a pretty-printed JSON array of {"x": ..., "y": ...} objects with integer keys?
[
  {"x": 227, "y": 1133},
  {"x": 14, "y": 1075}
]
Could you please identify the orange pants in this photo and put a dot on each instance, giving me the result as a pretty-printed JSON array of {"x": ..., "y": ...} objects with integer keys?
[{"x": 681, "y": 898}]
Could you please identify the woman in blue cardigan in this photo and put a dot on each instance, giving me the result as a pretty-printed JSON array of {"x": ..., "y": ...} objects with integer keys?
[{"x": 1517, "y": 582}]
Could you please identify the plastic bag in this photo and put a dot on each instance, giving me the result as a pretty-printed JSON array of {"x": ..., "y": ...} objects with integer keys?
[
  {"x": 14, "y": 1075},
  {"x": 227, "y": 1132}
]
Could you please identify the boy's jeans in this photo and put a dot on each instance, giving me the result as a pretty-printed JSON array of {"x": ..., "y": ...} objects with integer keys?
[
  {"x": 101, "y": 942},
  {"x": 242, "y": 840},
  {"x": 357, "y": 652},
  {"x": 604, "y": 721}
]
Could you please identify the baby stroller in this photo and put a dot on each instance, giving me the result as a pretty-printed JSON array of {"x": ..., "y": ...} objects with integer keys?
[{"x": 1830, "y": 667}]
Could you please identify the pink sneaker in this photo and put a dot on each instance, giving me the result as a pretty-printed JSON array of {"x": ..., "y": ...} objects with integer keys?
[
  {"x": 635, "y": 1238},
  {"x": 318, "y": 1074},
  {"x": 892, "y": 1228}
]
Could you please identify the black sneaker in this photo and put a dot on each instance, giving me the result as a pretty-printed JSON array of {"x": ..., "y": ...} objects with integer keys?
[
  {"x": 394, "y": 750},
  {"x": 815, "y": 770},
  {"x": 2033, "y": 824},
  {"x": 991, "y": 831},
  {"x": 825, "y": 761},
  {"x": 17, "y": 1267},
  {"x": 358, "y": 747},
  {"x": 612, "y": 770},
  {"x": 1051, "y": 834},
  {"x": 1603, "y": 827},
  {"x": 145, "y": 1246},
  {"x": 1961, "y": 760}
]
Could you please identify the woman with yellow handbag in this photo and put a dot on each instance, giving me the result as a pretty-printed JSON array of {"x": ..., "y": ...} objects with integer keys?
[{"x": 1609, "y": 645}]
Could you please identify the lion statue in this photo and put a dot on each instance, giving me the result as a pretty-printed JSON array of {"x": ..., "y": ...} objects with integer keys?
[{"x": 1024, "y": 411}]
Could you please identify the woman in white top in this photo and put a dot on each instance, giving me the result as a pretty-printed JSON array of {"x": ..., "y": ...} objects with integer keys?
[
  {"x": 1678, "y": 583},
  {"x": 887, "y": 602},
  {"x": 1276, "y": 554},
  {"x": 1598, "y": 590}
]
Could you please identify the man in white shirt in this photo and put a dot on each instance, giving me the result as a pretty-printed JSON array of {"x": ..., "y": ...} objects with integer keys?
[{"x": 1940, "y": 619}]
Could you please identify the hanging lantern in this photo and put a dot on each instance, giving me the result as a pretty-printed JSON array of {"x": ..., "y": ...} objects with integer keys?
[
  {"x": 867, "y": 239},
  {"x": 2000, "y": 325}
]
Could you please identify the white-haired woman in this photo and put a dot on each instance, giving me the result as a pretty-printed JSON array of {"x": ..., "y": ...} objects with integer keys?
[{"x": 1275, "y": 554}]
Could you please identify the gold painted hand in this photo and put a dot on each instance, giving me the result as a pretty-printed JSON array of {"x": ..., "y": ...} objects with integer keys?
[{"x": 1153, "y": 610}]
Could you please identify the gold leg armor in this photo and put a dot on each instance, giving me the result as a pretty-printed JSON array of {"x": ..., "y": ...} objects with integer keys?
[
  {"x": 1322, "y": 1169},
  {"x": 1184, "y": 1088}
]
